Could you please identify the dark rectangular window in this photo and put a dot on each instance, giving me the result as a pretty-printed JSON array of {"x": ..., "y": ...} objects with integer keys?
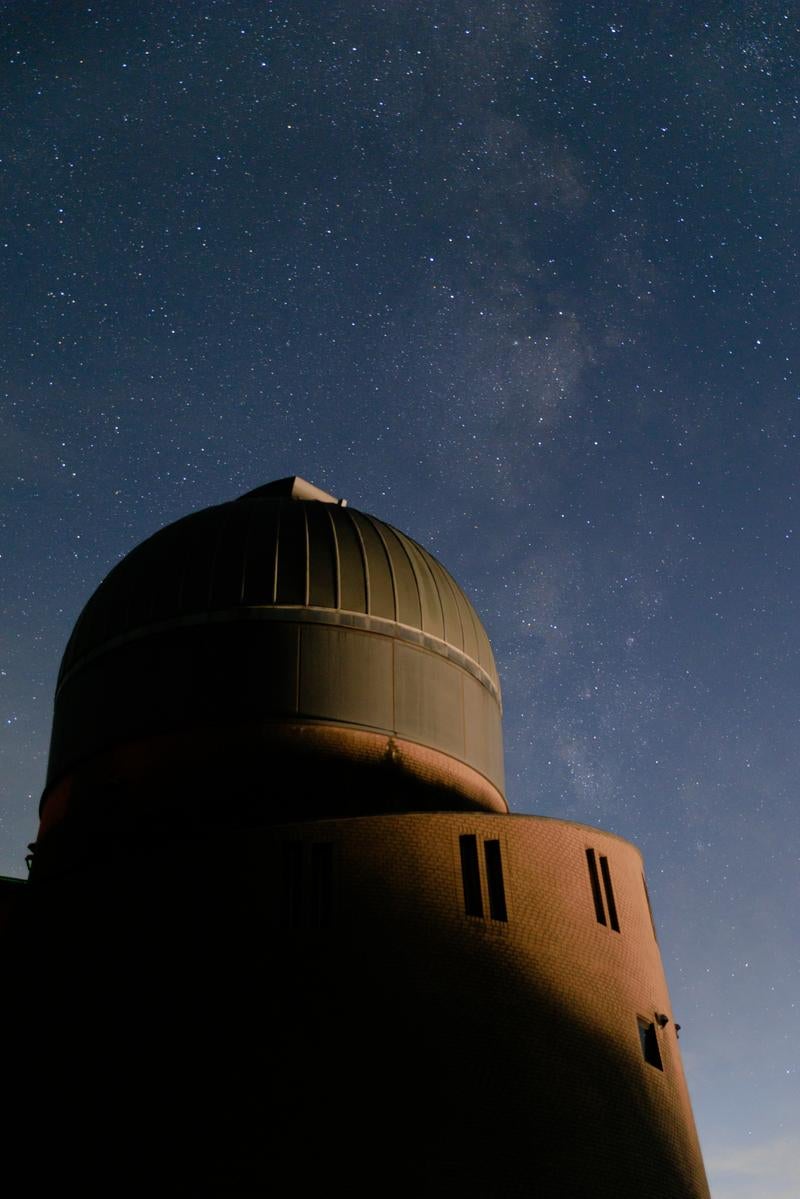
[
  {"x": 470, "y": 874},
  {"x": 612, "y": 907},
  {"x": 594, "y": 879},
  {"x": 292, "y": 884},
  {"x": 494, "y": 879},
  {"x": 306, "y": 896},
  {"x": 649, "y": 1043},
  {"x": 647, "y": 896},
  {"x": 321, "y": 884}
]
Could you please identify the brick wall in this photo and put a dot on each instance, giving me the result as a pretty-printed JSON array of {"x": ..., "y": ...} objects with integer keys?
[
  {"x": 525, "y": 1030},
  {"x": 310, "y": 1006}
]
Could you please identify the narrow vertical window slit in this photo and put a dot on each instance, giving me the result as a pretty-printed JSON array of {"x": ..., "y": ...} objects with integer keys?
[
  {"x": 612, "y": 907},
  {"x": 594, "y": 879},
  {"x": 470, "y": 875},
  {"x": 321, "y": 884},
  {"x": 649, "y": 907},
  {"x": 292, "y": 880},
  {"x": 494, "y": 880}
]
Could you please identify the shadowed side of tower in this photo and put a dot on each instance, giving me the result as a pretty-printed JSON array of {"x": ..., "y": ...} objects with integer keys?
[{"x": 280, "y": 925}]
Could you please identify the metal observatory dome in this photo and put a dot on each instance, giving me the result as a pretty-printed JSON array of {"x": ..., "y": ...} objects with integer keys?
[{"x": 281, "y": 640}]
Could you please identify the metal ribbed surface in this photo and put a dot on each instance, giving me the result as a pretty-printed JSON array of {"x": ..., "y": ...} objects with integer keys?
[{"x": 258, "y": 552}]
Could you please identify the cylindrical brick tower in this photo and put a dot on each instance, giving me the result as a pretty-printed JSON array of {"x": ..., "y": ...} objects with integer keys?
[{"x": 280, "y": 922}]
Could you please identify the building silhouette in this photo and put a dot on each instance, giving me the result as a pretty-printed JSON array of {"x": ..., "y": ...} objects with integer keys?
[{"x": 281, "y": 934}]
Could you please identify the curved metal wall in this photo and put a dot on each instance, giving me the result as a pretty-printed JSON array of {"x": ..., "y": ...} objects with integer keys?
[
  {"x": 227, "y": 672},
  {"x": 279, "y": 609},
  {"x": 266, "y": 552}
]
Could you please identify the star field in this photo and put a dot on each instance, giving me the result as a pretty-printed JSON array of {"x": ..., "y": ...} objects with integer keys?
[{"x": 520, "y": 279}]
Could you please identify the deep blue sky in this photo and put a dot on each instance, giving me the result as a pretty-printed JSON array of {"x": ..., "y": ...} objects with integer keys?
[{"x": 519, "y": 278}]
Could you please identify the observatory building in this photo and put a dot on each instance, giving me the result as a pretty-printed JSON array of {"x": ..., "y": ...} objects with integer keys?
[{"x": 281, "y": 933}]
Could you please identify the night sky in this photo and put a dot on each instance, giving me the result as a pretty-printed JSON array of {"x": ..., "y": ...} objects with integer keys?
[{"x": 519, "y": 278}]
